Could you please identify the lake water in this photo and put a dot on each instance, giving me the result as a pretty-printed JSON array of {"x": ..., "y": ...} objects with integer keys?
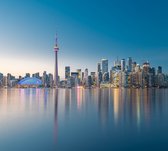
[{"x": 83, "y": 119}]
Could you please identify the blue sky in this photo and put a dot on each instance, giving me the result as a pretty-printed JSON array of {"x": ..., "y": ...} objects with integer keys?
[{"x": 88, "y": 31}]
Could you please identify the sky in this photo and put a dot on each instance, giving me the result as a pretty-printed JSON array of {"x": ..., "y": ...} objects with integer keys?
[{"x": 88, "y": 30}]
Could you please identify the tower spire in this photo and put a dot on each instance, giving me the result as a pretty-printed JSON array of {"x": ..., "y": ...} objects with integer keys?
[{"x": 56, "y": 48}]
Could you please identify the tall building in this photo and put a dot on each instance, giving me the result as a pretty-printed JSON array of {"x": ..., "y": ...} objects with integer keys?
[
  {"x": 86, "y": 74},
  {"x": 123, "y": 65},
  {"x": 82, "y": 76},
  {"x": 93, "y": 76},
  {"x": 1, "y": 79},
  {"x": 129, "y": 64},
  {"x": 45, "y": 79},
  {"x": 10, "y": 80},
  {"x": 67, "y": 72},
  {"x": 74, "y": 80},
  {"x": 56, "y": 48},
  {"x": 99, "y": 78},
  {"x": 133, "y": 66},
  {"x": 117, "y": 63},
  {"x": 104, "y": 66},
  {"x": 5, "y": 81},
  {"x": 89, "y": 82},
  {"x": 50, "y": 76},
  {"x": 98, "y": 67},
  {"x": 146, "y": 67},
  {"x": 137, "y": 68},
  {"x": 159, "y": 71},
  {"x": 105, "y": 77},
  {"x": 79, "y": 74}
]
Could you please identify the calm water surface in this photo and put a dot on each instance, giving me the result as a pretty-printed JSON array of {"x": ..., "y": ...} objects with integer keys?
[{"x": 83, "y": 119}]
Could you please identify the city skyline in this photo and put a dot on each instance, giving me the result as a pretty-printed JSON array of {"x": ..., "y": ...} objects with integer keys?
[
  {"x": 28, "y": 29},
  {"x": 110, "y": 65}
]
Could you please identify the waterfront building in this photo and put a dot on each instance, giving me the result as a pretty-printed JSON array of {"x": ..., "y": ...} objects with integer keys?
[
  {"x": 93, "y": 77},
  {"x": 99, "y": 78},
  {"x": 146, "y": 76},
  {"x": 30, "y": 82},
  {"x": 79, "y": 75},
  {"x": 160, "y": 80},
  {"x": 67, "y": 72},
  {"x": 124, "y": 77},
  {"x": 51, "y": 81},
  {"x": 146, "y": 67},
  {"x": 133, "y": 66},
  {"x": 159, "y": 71},
  {"x": 45, "y": 79},
  {"x": 5, "y": 81},
  {"x": 115, "y": 77},
  {"x": 104, "y": 66},
  {"x": 1, "y": 79},
  {"x": 86, "y": 74},
  {"x": 9, "y": 78},
  {"x": 153, "y": 75},
  {"x": 74, "y": 79},
  {"x": 82, "y": 79},
  {"x": 89, "y": 82},
  {"x": 122, "y": 64},
  {"x": 105, "y": 77},
  {"x": 85, "y": 80},
  {"x": 69, "y": 82},
  {"x": 98, "y": 67},
  {"x": 137, "y": 68},
  {"x": 129, "y": 64}
]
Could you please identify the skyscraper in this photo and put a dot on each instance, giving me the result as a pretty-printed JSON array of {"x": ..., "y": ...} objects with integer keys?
[
  {"x": 117, "y": 63},
  {"x": 79, "y": 74},
  {"x": 98, "y": 67},
  {"x": 123, "y": 65},
  {"x": 129, "y": 64},
  {"x": 86, "y": 73},
  {"x": 159, "y": 71},
  {"x": 133, "y": 66},
  {"x": 56, "y": 48},
  {"x": 50, "y": 76},
  {"x": 67, "y": 72},
  {"x": 44, "y": 78},
  {"x": 104, "y": 66}
]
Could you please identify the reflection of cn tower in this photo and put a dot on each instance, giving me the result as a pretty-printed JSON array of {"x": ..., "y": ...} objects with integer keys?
[
  {"x": 56, "y": 48},
  {"x": 56, "y": 115}
]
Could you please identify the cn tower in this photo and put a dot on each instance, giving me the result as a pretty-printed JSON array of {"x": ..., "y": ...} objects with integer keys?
[{"x": 56, "y": 48}]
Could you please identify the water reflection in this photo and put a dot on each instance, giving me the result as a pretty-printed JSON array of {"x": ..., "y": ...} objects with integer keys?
[
  {"x": 67, "y": 102},
  {"x": 129, "y": 106},
  {"x": 120, "y": 105},
  {"x": 103, "y": 105},
  {"x": 116, "y": 104},
  {"x": 74, "y": 114},
  {"x": 55, "y": 114}
]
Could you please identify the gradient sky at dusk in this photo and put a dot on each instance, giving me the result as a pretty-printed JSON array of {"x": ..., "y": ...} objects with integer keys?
[{"x": 88, "y": 31}]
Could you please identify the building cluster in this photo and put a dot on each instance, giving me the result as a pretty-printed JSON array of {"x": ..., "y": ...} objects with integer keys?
[
  {"x": 46, "y": 80},
  {"x": 124, "y": 73}
]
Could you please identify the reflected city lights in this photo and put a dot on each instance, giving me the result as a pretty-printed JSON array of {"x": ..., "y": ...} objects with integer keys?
[{"x": 116, "y": 105}]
